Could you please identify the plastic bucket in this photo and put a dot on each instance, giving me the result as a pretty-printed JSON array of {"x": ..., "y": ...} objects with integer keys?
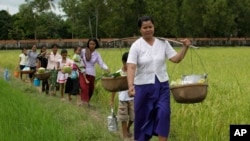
[
  {"x": 16, "y": 73},
  {"x": 36, "y": 82},
  {"x": 112, "y": 122}
]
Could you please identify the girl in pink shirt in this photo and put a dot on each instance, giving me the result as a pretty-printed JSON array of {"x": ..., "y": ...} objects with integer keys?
[{"x": 62, "y": 77}]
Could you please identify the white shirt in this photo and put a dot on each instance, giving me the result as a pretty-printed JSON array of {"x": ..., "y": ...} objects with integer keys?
[
  {"x": 90, "y": 65},
  {"x": 52, "y": 60},
  {"x": 150, "y": 60},
  {"x": 123, "y": 96},
  {"x": 24, "y": 59}
]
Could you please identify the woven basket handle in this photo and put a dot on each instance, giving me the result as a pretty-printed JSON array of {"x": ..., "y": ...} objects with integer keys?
[
  {"x": 194, "y": 47},
  {"x": 177, "y": 42}
]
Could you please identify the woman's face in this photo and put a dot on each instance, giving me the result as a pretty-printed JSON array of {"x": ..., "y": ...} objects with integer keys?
[
  {"x": 24, "y": 51},
  {"x": 78, "y": 51},
  {"x": 43, "y": 49},
  {"x": 147, "y": 29},
  {"x": 92, "y": 45},
  {"x": 34, "y": 48},
  {"x": 64, "y": 55},
  {"x": 54, "y": 49}
]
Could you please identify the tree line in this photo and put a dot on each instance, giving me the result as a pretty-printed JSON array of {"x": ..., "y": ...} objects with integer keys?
[{"x": 118, "y": 19}]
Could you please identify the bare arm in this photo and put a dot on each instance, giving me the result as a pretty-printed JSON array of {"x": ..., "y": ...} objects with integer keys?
[
  {"x": 181, "y": 54},
  {"x": 38, "y": 63},
  {"x": 58, "y": 66},
  {"x": 19, "y": 61},
  {"x": 130, "y": 76},
  {"x": 112, "y": 99}
]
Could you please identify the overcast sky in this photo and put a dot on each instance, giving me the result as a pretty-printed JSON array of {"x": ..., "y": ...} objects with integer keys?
[{"x": 12, "y": 6}]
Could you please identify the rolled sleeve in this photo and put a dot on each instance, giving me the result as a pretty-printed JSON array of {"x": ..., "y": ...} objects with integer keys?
[{"x": 133, "y": 55}]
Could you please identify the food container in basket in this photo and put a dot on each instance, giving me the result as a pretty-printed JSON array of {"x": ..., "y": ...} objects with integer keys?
[
  {"x": 115, "y": 84},
  {"x": 194, "y": 78}
]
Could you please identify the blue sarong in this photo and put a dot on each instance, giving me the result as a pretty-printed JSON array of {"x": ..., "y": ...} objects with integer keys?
[{"x": 152, "y": 110}]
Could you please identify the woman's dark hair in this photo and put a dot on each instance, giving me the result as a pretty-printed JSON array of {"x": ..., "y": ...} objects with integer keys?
[
  {"x": 54, "y": 45},
  {"x": 23, "y": 48},
  {"x": 125, "y": 57},
  {"x": 43, "y": 46},
  {"x": 144, "y": 19},
  {"x": 64, "y": 51},
  {"x": 76, "y": 47},
  {"x": 96, "y": 42}
]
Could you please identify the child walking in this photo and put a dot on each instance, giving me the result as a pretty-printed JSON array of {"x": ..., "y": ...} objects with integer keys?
[
  {"x": 73, "y": 83},
  {"x": 62, "y": 77},
  {"x": 23, "y": 60},
  {"x": 42, "y": 61},
  {"x": 80, "y": 63},
  {"x": 125, "y": 106}
]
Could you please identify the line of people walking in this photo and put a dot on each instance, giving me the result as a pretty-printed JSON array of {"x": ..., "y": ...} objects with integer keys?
[
  {"x": 148, "y": 80},
  {"x": 80, "y": 82}
]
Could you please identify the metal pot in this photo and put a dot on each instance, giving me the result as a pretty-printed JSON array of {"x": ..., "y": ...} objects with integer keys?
[
  {"x": 194, "y": 78},
  {"x": 112, "y": 122}
]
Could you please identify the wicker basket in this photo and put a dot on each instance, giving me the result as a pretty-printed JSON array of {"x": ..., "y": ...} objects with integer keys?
[
  {"x": 26, "y": 72},
  {"x": 189, "y": 93},
  {"x": 43, "y": 76},
  {"x": 115, "y": 84}
]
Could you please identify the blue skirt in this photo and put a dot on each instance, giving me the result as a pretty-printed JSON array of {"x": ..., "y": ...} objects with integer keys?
[{"x": 152, "y": 110}]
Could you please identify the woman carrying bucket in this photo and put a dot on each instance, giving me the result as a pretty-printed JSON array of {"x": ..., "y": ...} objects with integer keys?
[{"x": 148, "y": 81}]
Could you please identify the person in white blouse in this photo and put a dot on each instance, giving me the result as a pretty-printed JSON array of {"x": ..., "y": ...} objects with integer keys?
[
  {"x": 23, "y": 60},
  {"x": 53, "y": 58},
  {"x": 148, "y": 81}
]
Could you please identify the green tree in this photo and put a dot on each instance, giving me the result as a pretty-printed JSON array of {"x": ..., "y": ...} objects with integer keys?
[
  {"x": 49, "y": 25},
  {"x": 72, "y": 9},
  {"x": 38, "y": 7},
  {"x": 112, "y": 18},
  {"x": 5, "y": 24},
  {"x": 218, "y": 18},
  {"x": 120, "y": 20},
  {"x": 162, "y": 15},
  {"x": 25, "y": 20},
  {"x": 16, "y": 32},
  {"x": 192, "y": 11},
  {"x": 242, "y": 14}
]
